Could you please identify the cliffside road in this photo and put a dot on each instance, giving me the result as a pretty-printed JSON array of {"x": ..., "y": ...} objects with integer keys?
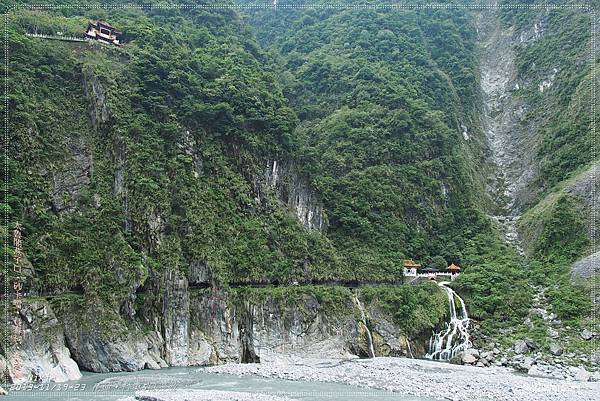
[{"x": 422, "y": 378}]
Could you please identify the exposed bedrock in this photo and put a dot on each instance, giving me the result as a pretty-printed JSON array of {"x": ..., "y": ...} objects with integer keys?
[
  {"x": 512, "y": 143},
  {"x": 41, "y": 354},
  {"x": 203, "y": 327},
  {"x": 283, "y": 178}
]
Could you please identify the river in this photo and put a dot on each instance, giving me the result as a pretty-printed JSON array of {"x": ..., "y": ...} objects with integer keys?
[{"x": 122, "y": 386}]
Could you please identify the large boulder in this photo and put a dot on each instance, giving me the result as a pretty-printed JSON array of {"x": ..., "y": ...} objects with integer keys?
[
  {"x": 580, "y": 374},
  {"x": 520, "y": 347},
  {"x": 556, "y": 349},
  {"x": 587, "y": 334},
  {"x": 467, "y": 358},
  {"x": 583, "y": 269},
  {"x": 525, "y": 364},
  {"x": 489, "y": 355},
  {"x": 531, "y": 344},
  {"x": 473, "y": 351}
]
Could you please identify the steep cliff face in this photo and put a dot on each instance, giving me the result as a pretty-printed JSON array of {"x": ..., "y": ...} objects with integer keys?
[
  {"x": 204, "y": 326},
  {"x": 522, "y": 86},
  {"x": 294, "y": 190},
  {"x": 42, "y": 354},
  {"x": 533, "y": 75}
]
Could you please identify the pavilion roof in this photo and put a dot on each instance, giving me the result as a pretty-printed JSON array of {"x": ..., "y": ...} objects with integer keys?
[
  {"x": 454, "y": 267},
  {"x": 410, "y": 263}
]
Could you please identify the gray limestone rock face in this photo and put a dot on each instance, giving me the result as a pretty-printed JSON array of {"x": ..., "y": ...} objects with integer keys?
[
  {"x": 73, "y": 176},
  {"x": 213, "y": 328},
  {"x": 510, "y": 141},
  {"x": 97, "y": 354},
  {"x": 584, "y": 184},
  {"x": 586, "y": 268},
  {"x": 294, "y": 190},
  {"x": 303, "y": 327},
  {"x": 200, "y": 273},
  {"x": 207, "y": 326},
  {"x": 246, "y": 329},
  {"x": 93, "y": 89},
  {"x": 104, "y": 350},
  {"x": 176, "y": 318},
  {"x": 387, "y": 340},
  {"x": 42, "y": 355}
]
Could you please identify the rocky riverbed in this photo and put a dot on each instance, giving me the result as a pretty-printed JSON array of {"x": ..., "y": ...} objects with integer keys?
[
  {"x": 421, "y": 378},
  {"x": 526, "y": 356}
]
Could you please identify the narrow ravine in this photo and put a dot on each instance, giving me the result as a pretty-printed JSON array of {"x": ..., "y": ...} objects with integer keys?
[
  {"x": 510, "y": 152},
  {"x": 501, "y": 111}
]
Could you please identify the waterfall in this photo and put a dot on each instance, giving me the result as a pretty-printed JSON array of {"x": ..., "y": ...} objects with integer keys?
[
  {"x": 364, "y": 321},
  {"x": 409, "y": 349},
  {"x": 455, "y": 338}
]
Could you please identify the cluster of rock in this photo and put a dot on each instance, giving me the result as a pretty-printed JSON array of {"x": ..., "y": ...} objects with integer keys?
[
  {"x": 474, "y": 357},
  {"x": 421, "y": 378},
  {"x": 527, "y": 356}
]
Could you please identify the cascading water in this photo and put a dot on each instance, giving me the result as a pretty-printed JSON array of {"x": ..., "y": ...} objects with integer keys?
[
  {"x": 409, "y": 349},
  {"x": 364, "y": 321},
  {"x": 455, "y": 338}
]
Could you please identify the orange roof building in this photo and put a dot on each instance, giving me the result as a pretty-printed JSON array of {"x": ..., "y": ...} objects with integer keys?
[
  {"x": 453, "y": 268},
  {"x": 409, "y": 263}
]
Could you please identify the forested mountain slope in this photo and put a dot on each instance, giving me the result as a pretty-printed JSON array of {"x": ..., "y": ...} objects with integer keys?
[{"x": 222, "y": 149}]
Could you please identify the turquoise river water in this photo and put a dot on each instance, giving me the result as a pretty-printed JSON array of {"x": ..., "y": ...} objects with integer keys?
[{"x": 122, "y": 387}]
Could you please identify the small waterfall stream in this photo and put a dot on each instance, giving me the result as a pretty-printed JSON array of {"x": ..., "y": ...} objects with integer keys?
[
  {"x": 364, "y": 321},
  {"x": 455, "y": 338},
  {"x": 409, "y": 349}
]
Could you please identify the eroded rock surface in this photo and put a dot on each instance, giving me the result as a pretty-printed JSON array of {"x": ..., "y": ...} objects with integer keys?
[{"x": 42, "y": 355}]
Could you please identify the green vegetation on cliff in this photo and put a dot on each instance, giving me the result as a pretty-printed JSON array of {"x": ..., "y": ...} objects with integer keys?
[
  {"x": 556, "y": 225},
  {"x": 131, "y": 165}
]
